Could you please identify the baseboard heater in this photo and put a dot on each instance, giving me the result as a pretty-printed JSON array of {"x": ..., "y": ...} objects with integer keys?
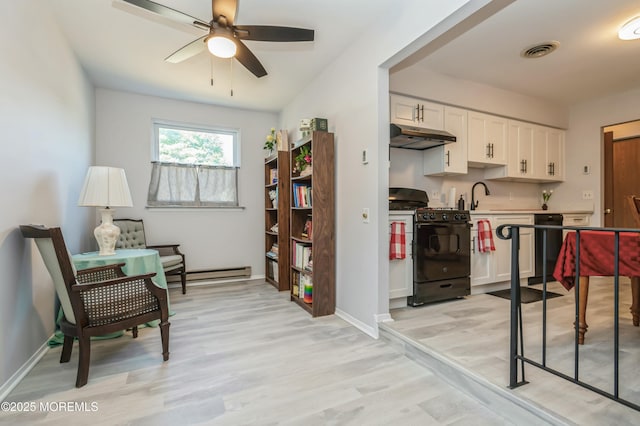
[{"x": 213, "y": 274}]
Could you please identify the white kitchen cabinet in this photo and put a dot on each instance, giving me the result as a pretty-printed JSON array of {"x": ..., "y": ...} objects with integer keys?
[
  {"x": 416, "y": 112},
  {"x": 574, "y": 219},
  {"x": 451, "y": 158},
  {"x": 495, "y": 267},
  {"x": 482, "y": 264},
  {"x": 549, "y": 148},
  {"x": 401, "y": 270},
  {"x": 520, "y": 154},
  {"x": 487, "y": 140},
  {"x": 503, "y": 248}
]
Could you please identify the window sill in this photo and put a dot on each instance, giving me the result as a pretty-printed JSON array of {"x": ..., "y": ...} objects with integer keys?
[{"x": 173, "y": 208}]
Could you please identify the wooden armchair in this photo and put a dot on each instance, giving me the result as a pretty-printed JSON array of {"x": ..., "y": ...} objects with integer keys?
[
  {"x": 97, "y": 301},
  {"x": 132, "y": 236},
  {"x": 634, "y": 204}
]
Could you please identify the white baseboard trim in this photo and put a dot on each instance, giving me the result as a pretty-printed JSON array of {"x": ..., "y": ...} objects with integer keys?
[
  {"x": 17, "y": 377},
  {"x": 383, "y": 318},
  {"x": 371, "y": 331}
]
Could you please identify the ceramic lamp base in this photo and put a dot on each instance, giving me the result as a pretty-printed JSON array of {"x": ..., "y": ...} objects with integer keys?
[{"x": 107, "y": 233}]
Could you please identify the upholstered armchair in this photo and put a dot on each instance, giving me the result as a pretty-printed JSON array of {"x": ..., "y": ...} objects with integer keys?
[
  {"x": 97, "y": 301},
  {"x": 132, "y": 236}
]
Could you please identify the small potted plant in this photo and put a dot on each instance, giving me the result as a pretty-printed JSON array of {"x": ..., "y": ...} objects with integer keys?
[
  {"x": 545, "y": 198},
  {"x": 303, "y": 161},
  {"x": 270, "y": 141}
]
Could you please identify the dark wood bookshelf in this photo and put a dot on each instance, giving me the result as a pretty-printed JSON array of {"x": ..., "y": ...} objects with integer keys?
[
  {"x": 279, "y": 214},
  {"x": 321, "y": 213}
]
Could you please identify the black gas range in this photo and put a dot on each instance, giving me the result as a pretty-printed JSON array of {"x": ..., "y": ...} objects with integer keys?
[{"x": 441, "y": 248}]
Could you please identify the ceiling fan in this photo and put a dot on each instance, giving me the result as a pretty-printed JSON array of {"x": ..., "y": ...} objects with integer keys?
[{"x": 224, "y": 39}]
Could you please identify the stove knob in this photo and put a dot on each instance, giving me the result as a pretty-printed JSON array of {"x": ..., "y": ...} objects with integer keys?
[
  {"x": 457, "y": 217},
  {"x": 444, "y": 216},
  {"x": 432, "y": 216},
  {"x": 425, "y": 216},
  {"x": 463, "y": 216}
]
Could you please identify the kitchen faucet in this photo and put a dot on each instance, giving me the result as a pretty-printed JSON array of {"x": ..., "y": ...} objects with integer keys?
[{"x": 474, "y": 203}]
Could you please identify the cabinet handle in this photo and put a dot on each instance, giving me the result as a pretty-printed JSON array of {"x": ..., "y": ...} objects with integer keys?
[
  {"x": 553, "y": 169},
  {"x": 525, "y": 166},
  {"x": 422, "y": 111},
  {"x": 448, "y": 157},
  {"x": 488, "y": 150},
  {"x": 491, "y": 150},
  {"x": 417, "y": 112},
  {"x": 521, "y": 166}
]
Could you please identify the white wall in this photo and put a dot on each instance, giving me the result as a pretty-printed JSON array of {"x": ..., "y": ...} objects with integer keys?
[
  {"x": 353, "y": 94},
  {"x": 210, "y": 238},
  {"x": 584, "y": 145},
  {"x": 46, "y": 117}
]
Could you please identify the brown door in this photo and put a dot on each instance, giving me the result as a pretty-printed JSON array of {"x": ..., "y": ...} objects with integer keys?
[{"x": 622, "y": 178}]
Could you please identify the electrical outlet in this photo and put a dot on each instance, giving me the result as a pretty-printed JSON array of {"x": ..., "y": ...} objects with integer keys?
[
  {"x": 365, "y": 215},
  {"x": 435, "y": 195},
  {"x": 587, "y": 195}
]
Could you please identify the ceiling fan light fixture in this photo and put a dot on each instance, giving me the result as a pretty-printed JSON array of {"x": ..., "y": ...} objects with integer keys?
[
  {"x": 221, "y": 46},
  {"x": 630, "y": 30}
]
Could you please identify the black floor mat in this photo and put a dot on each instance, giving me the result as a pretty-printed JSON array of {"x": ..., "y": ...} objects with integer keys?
[{"x": 527, "y": 295}]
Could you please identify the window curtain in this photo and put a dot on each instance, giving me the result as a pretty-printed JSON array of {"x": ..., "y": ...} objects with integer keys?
[{"x": 192, "y": 185}]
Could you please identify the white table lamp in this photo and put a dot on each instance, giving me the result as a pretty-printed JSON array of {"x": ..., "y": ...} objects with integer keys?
[{"x": 106, "y": 187}]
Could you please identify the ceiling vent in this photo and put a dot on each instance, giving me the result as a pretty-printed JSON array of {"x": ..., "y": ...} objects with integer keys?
[{"x": 540, "y": 49}]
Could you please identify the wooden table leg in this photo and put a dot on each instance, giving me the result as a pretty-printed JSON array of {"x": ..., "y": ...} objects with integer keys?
[
  {"x": 635, "y": 300},
  {"x": 583, "y": 282}
]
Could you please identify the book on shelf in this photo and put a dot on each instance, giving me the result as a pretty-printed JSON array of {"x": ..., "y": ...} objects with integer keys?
[
  {"x": 295, "y": 284},
  {"x": 272, "y": 255},
  {"x": 302, "y": 256},
  {"x": 307, "y": 230},
  {"x": 273, "y": 175},
  {"x": 302, "y": 195}
]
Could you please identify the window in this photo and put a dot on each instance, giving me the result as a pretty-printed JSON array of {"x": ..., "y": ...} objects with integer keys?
[{"x": 194, "y": 166}]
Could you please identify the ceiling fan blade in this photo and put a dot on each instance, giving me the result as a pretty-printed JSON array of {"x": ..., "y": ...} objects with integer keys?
[
  {"x": 226, "y": 8},
  {"x": 249, "y": 60},
  {"x": 272, "y": 33},
  {"x": 167, "y": 12},
  {"x": 187, "y": 51}
]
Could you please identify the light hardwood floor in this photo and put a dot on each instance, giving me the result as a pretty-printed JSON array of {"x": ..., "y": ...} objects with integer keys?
[
  {"x": 473, "y": 334},
  {"x": 242, "y": 354}
]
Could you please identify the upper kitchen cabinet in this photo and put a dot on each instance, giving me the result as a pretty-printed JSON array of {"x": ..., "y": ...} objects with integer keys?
[
  {"x": 549, "y": 147},
  {"x": 487, "y": 140},
  {"x": 416, "y": 112},
  {"x": 451, "y": 158},
  {"x": 523, "y": 156}
]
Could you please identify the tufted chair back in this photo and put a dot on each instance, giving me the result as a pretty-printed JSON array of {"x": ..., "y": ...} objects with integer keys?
[{"x": 131, "y": 234}]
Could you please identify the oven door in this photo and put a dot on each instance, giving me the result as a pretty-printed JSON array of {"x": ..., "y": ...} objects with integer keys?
[{"x": 441, "y": 251}]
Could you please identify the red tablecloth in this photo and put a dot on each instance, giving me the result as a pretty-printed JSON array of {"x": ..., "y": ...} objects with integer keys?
[{"x": 597, "y": 256}]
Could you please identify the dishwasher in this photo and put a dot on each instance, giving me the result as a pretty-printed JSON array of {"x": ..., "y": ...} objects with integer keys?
[{"x": 554, "y": 243}]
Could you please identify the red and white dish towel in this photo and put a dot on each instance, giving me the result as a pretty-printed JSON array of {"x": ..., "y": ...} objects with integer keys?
[
  {"x": 397, "y": 247},
  {"x": 485, "y": 236}
]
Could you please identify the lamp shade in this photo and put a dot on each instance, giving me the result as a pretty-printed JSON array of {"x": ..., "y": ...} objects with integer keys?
[{"x": 105, "y": 187}]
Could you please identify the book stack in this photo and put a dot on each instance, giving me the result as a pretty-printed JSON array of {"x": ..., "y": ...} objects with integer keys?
[
  {"x": 307, "y": 230},
  {"x": 319, "y": 124},
  {"x": 273, "y": 253},
  {"x": 301, "y": 195},
  {"x": 302, "y": 256}
]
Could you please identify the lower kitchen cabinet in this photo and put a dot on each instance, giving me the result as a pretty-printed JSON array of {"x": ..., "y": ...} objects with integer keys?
[
  {"x": 495, "y": 267},
  {"x": 401, "y": 270}
]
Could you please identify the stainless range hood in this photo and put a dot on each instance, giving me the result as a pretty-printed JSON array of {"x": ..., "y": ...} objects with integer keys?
[{"x": 409, "y": 137}]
